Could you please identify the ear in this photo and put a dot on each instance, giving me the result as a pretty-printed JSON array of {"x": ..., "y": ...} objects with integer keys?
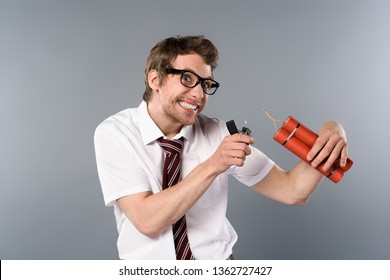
[{"x": 154, "y": 80}]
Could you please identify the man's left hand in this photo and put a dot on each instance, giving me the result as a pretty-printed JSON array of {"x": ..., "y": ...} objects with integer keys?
[{"x": 331, "y": 145}]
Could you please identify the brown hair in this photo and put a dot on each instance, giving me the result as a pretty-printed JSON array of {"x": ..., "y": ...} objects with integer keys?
[{"x": 165, "y": 52}]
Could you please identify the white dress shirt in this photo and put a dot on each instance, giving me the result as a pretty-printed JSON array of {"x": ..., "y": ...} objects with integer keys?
[{"x": 129, "y": 161}]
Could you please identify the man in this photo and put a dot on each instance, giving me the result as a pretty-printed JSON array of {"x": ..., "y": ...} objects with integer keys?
[{"x": 133, "y": 166}]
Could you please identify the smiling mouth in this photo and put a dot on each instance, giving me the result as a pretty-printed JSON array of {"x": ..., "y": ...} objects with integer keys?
[{"x": 188, "y": 105}]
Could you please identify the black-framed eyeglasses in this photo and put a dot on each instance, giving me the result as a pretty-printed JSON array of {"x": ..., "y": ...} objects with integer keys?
[{"x": 190, "y": 79}]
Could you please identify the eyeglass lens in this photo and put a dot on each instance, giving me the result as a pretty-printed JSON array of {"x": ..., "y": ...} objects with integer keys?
[{"x": 189, "y": 79}]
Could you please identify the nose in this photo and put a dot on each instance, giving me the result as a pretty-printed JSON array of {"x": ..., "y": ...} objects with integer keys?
[{"x": 197, "y": 92}]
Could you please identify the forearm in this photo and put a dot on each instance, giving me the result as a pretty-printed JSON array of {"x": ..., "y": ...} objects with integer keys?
[
  {"x": 304, "y": 180},
  {"x": 178, "y": 199},
  {"x": 293, "y": 187},
  {"x": 153, "y": 213}
]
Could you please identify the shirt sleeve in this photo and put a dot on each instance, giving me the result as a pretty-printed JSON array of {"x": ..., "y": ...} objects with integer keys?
[
  {"x": 119, "y": 173},
  {"x": 256, "y": 165}
]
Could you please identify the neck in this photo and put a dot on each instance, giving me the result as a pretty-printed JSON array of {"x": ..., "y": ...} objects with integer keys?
[{"x": 168, "y": 127}]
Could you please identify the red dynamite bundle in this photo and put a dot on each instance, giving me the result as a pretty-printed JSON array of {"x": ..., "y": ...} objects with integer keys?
[{"x": 299, "y": 140}]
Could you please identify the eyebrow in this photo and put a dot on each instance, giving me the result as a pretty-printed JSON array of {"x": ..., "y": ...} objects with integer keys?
[{"x": 192, "y": 71}]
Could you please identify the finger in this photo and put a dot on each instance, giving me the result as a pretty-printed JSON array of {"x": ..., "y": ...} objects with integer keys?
[
  {"x": 248, "y": 150},
  {"x": 242, "y": 138},
  {"x": 239, "y": 154},
  {"x": 234, "y": 158},
  {"x": 239, "y": 146},
  {"x": 318, "y": 146},
  {"x": 237, "y": 161},
  {"x": 344, "y": 155},
  {"x": 325, "y": 151},
  {"x": 335, "y": 155}
]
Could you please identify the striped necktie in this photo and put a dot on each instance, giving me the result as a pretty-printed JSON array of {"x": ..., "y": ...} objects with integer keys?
[{"x": 171, "y": 176}]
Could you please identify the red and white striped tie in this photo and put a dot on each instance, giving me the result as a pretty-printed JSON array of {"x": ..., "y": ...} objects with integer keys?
[{"x": 171, "y": 176}]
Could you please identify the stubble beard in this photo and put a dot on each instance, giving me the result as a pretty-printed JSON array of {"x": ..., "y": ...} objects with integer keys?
[{"x": 173, "y": 111}]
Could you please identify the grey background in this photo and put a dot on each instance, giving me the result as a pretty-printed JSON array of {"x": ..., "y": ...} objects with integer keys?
[{"x": 67, "y": 65}]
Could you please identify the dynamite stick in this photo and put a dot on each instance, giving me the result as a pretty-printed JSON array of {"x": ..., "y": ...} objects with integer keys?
[
  {"x": 300, "y": 149},
  {"x": 308, "y": 137},
  {"x": 299, "y": 139}
]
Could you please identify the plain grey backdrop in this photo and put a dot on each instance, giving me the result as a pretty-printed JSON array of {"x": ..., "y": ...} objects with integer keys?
[{"x": 67, "y": 65}]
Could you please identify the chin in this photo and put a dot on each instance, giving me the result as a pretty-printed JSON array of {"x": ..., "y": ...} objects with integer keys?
[{"x": 189, "y": 122}]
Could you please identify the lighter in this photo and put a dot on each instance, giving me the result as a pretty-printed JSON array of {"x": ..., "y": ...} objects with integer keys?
[{"x": 233, "y": 128}]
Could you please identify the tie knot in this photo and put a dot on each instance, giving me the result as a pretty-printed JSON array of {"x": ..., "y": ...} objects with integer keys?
[{"x": 171, "y": 146}]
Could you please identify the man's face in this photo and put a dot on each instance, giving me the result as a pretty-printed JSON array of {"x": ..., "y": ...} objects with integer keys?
[{"x": 179, "y": 105}]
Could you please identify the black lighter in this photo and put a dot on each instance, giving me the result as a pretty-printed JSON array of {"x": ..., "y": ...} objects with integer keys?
[{"x": 233, "y": 128}]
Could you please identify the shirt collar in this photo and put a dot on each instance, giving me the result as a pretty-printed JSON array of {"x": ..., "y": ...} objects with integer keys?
[{"x": 151, "y": 132}]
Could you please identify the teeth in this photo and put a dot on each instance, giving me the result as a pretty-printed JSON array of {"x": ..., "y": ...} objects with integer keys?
[{"x": 188, "y": 105}]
